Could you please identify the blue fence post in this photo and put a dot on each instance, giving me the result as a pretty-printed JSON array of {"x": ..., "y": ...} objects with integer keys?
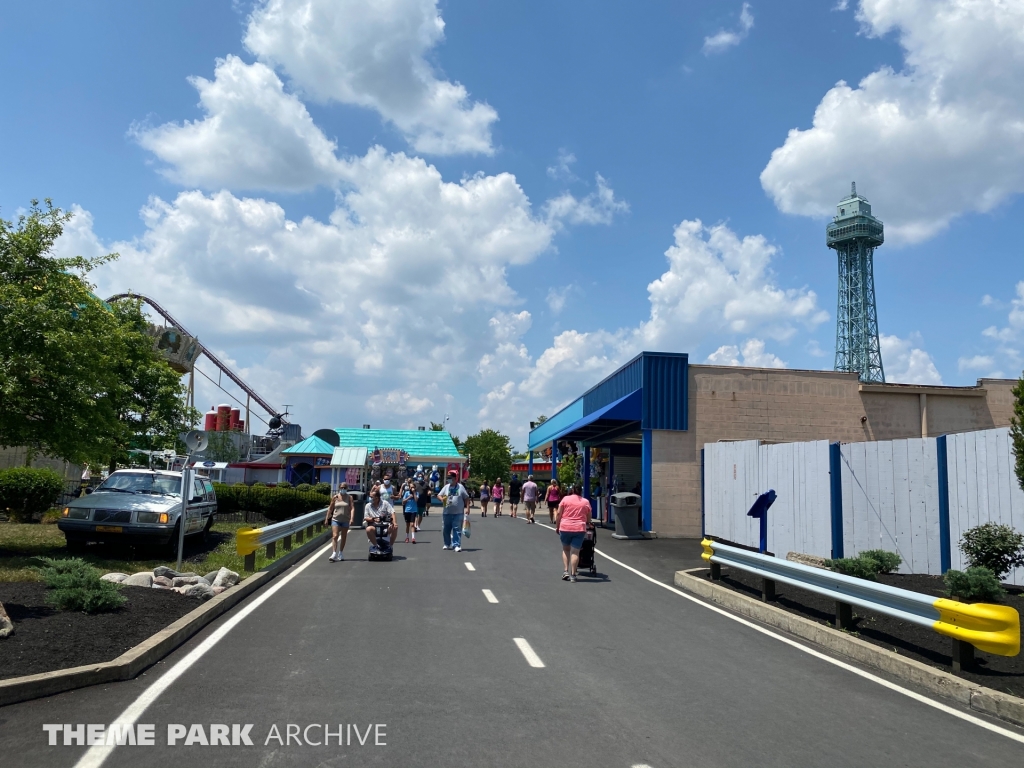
[
  {"x": 529, "y": 464},
  {"x": 945, "y": 550},
  {"x": 647, "y": 453},
  {"x": 836, "y": 493},
  {"x": 554, "y": 460},
  {"x": 586, "y": 480}
]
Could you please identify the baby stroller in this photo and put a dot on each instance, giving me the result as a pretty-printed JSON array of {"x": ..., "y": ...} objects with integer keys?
[
  {"x": 587, "y": 552},
  {"x": 383, "y": 550}
]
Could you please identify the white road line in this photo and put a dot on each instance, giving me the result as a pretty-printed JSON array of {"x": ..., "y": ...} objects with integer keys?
[
  {"x": 97, "y": 755},
  {"x": 469, "y": 567},
  {"x": 490, "y": 596},
  {"x": 531, "y": 656},
  {"x": 810, "y": 651}
]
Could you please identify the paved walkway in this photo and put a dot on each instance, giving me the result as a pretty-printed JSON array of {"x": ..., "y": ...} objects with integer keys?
[{"x": 448, "y": 660}]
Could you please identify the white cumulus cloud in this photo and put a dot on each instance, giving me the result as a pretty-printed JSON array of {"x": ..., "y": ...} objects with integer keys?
[
  {"x": 599, "y": 207},
  {"x": 254, "y": 136},
  {"x": 375, "y": 55},
  {"x": 752, "y": 355},
  {"x": 938, "y": 138},
  {"x": 728, "y": 38},
  {"x": 905, "y": 362}
]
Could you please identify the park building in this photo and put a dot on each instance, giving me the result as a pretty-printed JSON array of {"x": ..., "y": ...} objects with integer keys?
[{"x": 648, "y": 422}]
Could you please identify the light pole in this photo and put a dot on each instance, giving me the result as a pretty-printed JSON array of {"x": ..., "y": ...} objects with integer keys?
[{"x": 196, "y": 440}]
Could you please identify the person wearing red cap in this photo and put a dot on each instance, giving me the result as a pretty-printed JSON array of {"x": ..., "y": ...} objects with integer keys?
[{"x": 454, "y": 499}]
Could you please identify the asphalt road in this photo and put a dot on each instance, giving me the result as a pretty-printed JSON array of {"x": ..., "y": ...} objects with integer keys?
[{"x": 633, "y": 675}]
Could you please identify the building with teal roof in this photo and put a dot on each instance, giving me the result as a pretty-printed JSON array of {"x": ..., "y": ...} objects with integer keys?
[{"x": 334, "y": 455}]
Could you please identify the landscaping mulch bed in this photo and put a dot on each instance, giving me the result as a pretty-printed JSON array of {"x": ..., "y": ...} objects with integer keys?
[
  {"x": 46, "y": 639},
  {"x": 1002, "y": 673}
]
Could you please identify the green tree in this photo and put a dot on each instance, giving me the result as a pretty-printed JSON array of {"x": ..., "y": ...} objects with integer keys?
[
  {"x": 1017, "y": 429},
  {"x": 55, "y": 352},
  {"x": 221, "y": 448},
  {"x": 567, "y": 468},
  {"x": 146, "y": 394},
  {"x": 491, "y": 454}
]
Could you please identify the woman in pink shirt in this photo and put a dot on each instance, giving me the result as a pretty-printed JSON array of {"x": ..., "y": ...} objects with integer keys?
[
  {"x": 571, "y": 521},
  {"x": 497, "y": 496}
]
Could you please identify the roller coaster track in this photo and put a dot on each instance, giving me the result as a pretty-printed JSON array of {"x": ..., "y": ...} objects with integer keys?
[{"x": 212, "y": 357}]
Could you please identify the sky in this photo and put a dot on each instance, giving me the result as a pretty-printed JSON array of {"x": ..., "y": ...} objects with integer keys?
[{"x": 396, "y": 211}]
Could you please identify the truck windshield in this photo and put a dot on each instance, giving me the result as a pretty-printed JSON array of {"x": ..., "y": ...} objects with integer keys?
[{"x": 140, "y": 482}]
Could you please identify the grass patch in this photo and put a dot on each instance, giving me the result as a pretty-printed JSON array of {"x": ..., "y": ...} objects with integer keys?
[{"x": 23, "y": 547}]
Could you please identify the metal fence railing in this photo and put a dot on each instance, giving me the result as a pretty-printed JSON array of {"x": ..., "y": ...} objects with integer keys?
[
  {"x": 991, "y": 628},
  {"x": 247, "y": 542}
]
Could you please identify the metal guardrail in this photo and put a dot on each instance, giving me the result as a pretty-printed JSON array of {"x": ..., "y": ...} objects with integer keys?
[
  {"x": 991, "y": 628},
  {"x": 247, "y": 542}
]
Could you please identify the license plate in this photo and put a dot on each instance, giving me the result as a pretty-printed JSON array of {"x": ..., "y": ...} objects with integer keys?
[{"x": 108, "y": 529}]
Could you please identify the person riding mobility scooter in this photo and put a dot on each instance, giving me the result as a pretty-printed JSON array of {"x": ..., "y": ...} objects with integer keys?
[{"x": 380, "y": 525}]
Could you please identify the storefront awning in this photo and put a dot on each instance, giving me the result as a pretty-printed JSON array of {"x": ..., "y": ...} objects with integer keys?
[
  {"x": 348, "y": 457},
  {"x": 617, "y": 416}
]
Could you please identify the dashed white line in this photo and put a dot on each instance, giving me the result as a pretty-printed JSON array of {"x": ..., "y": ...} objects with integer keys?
[
  {"x": 490, "y": 596},
  {"x": 469, "y": 567},
  {"x": 531, "y": 656}
]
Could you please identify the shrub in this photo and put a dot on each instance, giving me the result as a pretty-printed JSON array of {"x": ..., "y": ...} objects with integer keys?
[
  {"x": 26, "y": 492},
  {"x": 996, "y": 547},
  {"x": 887, "y": 561},
  {"x": 227, "y": 497},
  {"x": 303, "y": 487},
  {"x": 284, "y": 484},
  {"x": 322, "y": 488},
  {"x": 973, "y": 585},
  {"x": 860, "y": 567},
  {"x": 76, "y": 586}
]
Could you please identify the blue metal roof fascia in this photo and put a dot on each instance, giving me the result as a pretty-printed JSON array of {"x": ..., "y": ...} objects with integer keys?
[
  {"x": 626, "y": 408},
  {"x": 628, "y": 378},
  {"x": 666, "y": 389},
  {"x": 554, "y": 426}
]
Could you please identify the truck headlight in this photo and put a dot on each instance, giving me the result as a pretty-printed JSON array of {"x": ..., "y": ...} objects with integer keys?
[{"x": 77, "y": 513}]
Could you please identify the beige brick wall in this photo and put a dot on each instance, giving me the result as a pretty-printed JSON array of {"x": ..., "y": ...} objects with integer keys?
[{"x": 782, "y": 406}]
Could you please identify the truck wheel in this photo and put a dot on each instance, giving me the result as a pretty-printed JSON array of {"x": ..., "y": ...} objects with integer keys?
[{"x": 74, "y": 544}]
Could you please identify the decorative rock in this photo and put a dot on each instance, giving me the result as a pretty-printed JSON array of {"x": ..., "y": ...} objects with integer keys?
[
  {"x": 225, "y": 578},
  {"x": 184, "y": 581},
  {"x": 211, "y": 576},
  {"x": 218, "y": 590},
  {"x": 6, "y": 625},
  {"x": 115, "y": 577},
  {"x": 142, "y": 579},
  {"x": 200, "y": 591},
  {"x": 162, "y": 581},
  {"x": 812, "y": 560},
  {"x": 163, "y": 570}
]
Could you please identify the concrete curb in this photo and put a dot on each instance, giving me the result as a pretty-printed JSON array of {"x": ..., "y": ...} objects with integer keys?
[
  {"x": 144, "y": 655},
  {"x": 979, "y": 698}
]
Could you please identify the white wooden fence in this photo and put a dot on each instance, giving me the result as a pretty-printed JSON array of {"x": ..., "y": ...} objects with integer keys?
[{"x": 891, "y": 495}]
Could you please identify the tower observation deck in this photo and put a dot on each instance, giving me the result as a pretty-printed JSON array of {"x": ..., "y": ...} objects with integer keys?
[{"x": 854, "y": 234}]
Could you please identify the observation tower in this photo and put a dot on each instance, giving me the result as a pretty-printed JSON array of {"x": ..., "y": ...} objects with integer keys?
[{"x": 854, "y": 234}]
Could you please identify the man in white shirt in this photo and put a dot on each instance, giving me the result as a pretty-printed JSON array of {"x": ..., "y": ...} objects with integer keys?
[
  {"x": 530, "y": 494},
  {"x": 376, "y": 509},
  {"x": 454, "y": 499}
]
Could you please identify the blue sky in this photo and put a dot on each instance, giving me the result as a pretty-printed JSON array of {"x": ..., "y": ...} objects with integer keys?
[{"x": 388, "y": 212}]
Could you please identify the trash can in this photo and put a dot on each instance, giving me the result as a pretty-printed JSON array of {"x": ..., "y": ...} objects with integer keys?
[
  {"x": 626, "y": 508},
  {"x": 358, "y": 502}
]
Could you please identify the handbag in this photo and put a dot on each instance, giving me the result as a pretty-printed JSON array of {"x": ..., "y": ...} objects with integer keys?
[{"x": 465, "y": 526}]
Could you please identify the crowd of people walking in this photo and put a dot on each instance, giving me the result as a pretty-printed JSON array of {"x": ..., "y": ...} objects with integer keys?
[{"x": 568, "y": 511}]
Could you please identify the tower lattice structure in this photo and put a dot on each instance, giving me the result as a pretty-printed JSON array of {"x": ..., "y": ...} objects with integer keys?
[{"x": 854, "y": 234}]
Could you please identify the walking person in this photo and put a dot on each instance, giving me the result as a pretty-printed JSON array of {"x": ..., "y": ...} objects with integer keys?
[
  {"x": 497, "y": 496},
  {"x": 571, "y": 521},
  {"x": 530, "y": 493},
  {"x": 515, "y": 490},
  {"x": 340, "y": 513},
  {"x": 422, "y": 502},
  {"x": 454, "y": 498},
  {"x": 485, "y": 497},
  {"x": 387, "y": 492},
  {"x": 409, "y": 508},
  {"x": 554, "y": 495}
]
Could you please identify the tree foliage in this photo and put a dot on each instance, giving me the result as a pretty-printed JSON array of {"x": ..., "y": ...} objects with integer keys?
[
  {"x": 221, "y": 447},
  {"x": 1017, "y": 430},
  {"x": 491, "y": 454},
  {"x": 996, "y": 547},
  {"x": 79, "y": 379}
]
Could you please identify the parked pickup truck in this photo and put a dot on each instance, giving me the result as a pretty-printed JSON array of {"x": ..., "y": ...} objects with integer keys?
[{"x": 138, "y": 505}]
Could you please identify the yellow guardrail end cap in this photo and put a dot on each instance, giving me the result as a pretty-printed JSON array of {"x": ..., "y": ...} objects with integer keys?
[
  {"x": 991, "y": 628},
  {"x": 247, "y": 541},
  {"x": 708, "y": 546}
]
